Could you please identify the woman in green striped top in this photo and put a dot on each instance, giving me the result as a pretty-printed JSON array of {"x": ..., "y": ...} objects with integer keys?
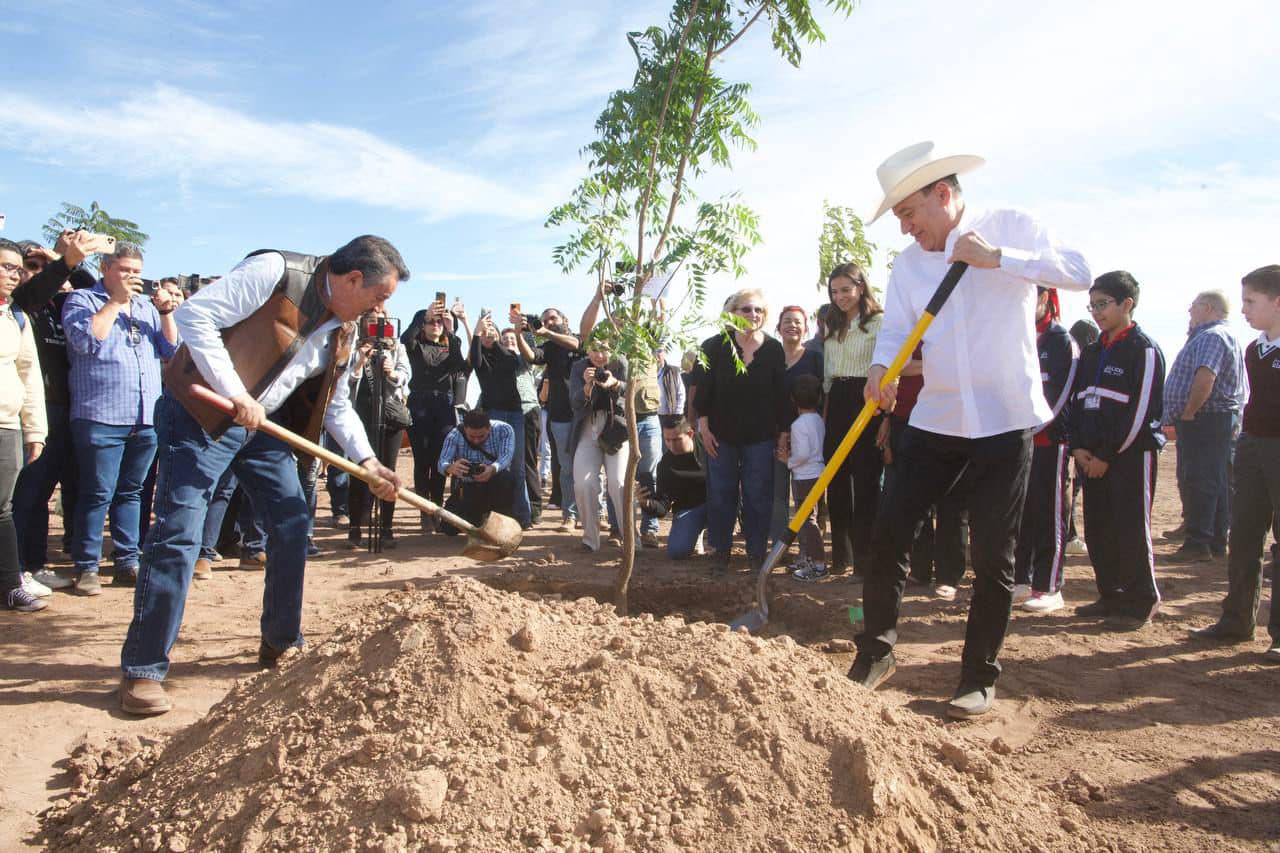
[{"x": 853, "y": 321}]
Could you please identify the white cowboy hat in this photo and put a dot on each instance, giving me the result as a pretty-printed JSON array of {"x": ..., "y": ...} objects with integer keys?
[{"x": 914, "y": 168}]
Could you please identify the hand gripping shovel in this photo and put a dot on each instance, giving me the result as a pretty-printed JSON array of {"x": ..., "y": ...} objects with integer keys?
[
  {"x": 756, "y": 619},
  {"x": 498, "y": 537}
]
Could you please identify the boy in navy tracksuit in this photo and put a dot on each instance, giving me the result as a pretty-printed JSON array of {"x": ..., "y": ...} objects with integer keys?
[
  {"x": 1038, "y": 559},
  {"x": 1113, "y": 427},
  {"x": 1256, "y": 474}
]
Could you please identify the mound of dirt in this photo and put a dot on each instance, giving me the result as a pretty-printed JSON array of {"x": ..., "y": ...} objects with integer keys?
[{"x": 464, "y": 718}]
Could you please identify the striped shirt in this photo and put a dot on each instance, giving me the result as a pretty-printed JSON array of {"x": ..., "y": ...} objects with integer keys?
[
  {"x": 116, "y": 380},
  {"x": 853, "y": 355},
  {"x": 497, "y": 449}
]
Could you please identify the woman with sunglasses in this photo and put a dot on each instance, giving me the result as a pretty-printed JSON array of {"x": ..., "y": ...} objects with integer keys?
[
  {"x": 742, "y": 419},
  {"x": 851, "y": 326}
]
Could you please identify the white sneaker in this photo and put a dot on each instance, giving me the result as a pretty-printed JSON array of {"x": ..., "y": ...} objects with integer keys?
[
  {"x": 1043, "y": 602},
  {"x": 1021, "y": 592},
  {"x": 946, "y": 593},
  {"x": 34, "y": 586},
  {"x": 53, "y": 580},
  {"x": 1075, "y": 547}
]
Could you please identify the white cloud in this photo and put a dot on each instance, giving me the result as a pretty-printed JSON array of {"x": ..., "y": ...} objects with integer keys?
[{"x": 166, "y": 133}]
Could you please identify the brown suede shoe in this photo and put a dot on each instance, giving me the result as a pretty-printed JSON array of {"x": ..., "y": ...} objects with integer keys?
[
  {"x": 203, "y": 570},
  {"x": 143, "y": 697}
]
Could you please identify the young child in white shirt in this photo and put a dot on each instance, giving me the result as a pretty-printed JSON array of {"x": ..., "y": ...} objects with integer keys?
[{"x": 805, "y": 462}]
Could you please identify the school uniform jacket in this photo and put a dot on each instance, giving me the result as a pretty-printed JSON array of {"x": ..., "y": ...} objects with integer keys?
[
  {"x": 1117, "y": 401},
  {"x": 1059, "y": 359}
]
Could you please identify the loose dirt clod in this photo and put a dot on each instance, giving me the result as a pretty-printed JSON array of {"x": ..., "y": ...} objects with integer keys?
[{"x": 444, "y": 720}]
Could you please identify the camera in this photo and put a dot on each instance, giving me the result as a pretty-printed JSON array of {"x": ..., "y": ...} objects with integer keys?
[
  {"x": 474, "y": 469},
  {"x": 382, "y": 332},
  {"x": 602, "y": 375},
  {"x": 615, "y": 288}
]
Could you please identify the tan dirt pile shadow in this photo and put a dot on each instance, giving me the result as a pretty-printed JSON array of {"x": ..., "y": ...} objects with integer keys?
[{"x": 467, "y": 718}]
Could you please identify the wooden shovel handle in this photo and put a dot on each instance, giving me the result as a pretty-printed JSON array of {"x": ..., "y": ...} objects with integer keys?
[{"x": 296, "y": 441}]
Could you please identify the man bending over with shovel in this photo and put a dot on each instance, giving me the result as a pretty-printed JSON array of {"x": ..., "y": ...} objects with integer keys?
[
  {"x": 274, "y": 336},
  {"x": 972, "y": 425}
]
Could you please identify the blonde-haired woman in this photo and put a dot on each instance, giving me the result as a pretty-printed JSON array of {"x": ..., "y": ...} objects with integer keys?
[{"x": 742, "y": 417}]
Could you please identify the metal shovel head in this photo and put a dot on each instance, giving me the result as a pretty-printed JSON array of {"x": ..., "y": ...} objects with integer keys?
[
  {"x": 753, "y": 621},
  {"x": 498, "y": 537}
]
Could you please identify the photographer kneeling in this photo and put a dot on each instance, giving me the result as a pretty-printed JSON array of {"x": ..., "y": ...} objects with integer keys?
[
  {"x": 478, "y": 457},
  {"x": 681, "y": 488}
]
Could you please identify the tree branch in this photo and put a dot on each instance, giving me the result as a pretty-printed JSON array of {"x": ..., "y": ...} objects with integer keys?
[
  {"x": 678, "y": 183},
  {"x": 764, "y": 5},
  {"x": 657, "y": 136}
]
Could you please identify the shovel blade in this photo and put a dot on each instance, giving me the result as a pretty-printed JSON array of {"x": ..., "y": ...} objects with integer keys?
[
  {"x": 752, "y": 621},
  {"x": 498, "y": 537}
]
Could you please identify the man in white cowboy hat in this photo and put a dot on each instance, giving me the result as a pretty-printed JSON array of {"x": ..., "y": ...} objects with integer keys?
[{"x": 982, "y": 400}]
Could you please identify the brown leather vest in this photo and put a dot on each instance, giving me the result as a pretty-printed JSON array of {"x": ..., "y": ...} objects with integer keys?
[{"x": 262, "y": 345}]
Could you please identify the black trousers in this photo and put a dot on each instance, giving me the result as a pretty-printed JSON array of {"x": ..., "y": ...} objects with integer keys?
[
  {"x": 359, "y": 499},
  {"x": 1039, "y": 556},
  {"x": 991, "y": 476},
  {"x": 1117, "y": 530},
  {"x": 854, "y": 492},
  {"x": 532, "y": 479},
  {"x": 433, "y": 418},
  {"x": 1256, "y": 500},
  {"x": 473, "y": 501},
  {"x": 938, "y": 552}
]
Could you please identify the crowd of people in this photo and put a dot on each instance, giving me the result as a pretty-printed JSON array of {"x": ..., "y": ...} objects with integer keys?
[{"x": 976, "y": 440}]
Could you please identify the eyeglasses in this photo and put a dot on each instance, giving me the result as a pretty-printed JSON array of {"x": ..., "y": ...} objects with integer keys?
[
  {"x": 11, "y": 269},
  {"x": 1101, "y": 305}
]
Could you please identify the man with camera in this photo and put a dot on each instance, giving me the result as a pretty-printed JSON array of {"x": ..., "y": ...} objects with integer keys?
[
  {"x": 557, "y": 352},
  {"x": 115, "y": 341},
  {"x": 274, "y": 336},
  {"x": 478, "y": 456}
]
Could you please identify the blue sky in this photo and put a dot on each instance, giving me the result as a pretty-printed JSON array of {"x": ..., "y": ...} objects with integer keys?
[{"x": 1143, "y": 132}]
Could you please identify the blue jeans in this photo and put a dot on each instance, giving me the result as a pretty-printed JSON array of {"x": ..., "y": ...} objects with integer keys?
[
  {"x": 686, "y": 526},
  {"x": 745, "y": 469},
  {"x": 113, "y": 462},
  {"x": 191, "y": 464},
  {"x": 560, "y": 432},
  {"x": 1204, "y": 457},
  {"x": 216, "y": 514},
  {"x": 336, "y": 481},
  {"x": 649, "y": 429},
  {"x": 520, "y": 506},
  {"x": 57, "y": 464}
]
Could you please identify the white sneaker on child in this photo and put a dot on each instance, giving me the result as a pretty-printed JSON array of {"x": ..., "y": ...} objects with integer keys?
[
  {"x": 1021, "y": 592},
  {"x": 811, "y": 571},
  {"x": 1043, "y": 602},
  {"x": 52, "y": 579}
]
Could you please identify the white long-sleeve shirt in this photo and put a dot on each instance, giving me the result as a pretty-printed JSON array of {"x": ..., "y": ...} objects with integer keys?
[
  {"x": 981, "y": 368},
  {"x": 807, "y": 434},
  {"x": 229, "y": 300}
]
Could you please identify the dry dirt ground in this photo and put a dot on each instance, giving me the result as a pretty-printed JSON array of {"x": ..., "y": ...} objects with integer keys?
[{"x": 1180, "y": 742}]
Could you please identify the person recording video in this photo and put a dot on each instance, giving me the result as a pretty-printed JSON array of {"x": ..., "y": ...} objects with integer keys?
[{"x": 379, "y": 379}]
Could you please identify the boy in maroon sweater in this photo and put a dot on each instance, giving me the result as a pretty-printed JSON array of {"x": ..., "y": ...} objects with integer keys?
[{"x": 1256, "y": 473}]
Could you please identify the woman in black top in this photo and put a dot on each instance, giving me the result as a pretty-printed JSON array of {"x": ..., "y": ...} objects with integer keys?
[
  {"x": 741, "y": 417},
  {"x": 793, "y": 329},
  {"x": 435, "y": 361},
  {"x": 496, "y": 368}
]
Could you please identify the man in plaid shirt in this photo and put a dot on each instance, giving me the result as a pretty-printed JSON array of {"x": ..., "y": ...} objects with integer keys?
[
  {"x": 1203, "y": 396},
  {"x": 478, "y": 455}
]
